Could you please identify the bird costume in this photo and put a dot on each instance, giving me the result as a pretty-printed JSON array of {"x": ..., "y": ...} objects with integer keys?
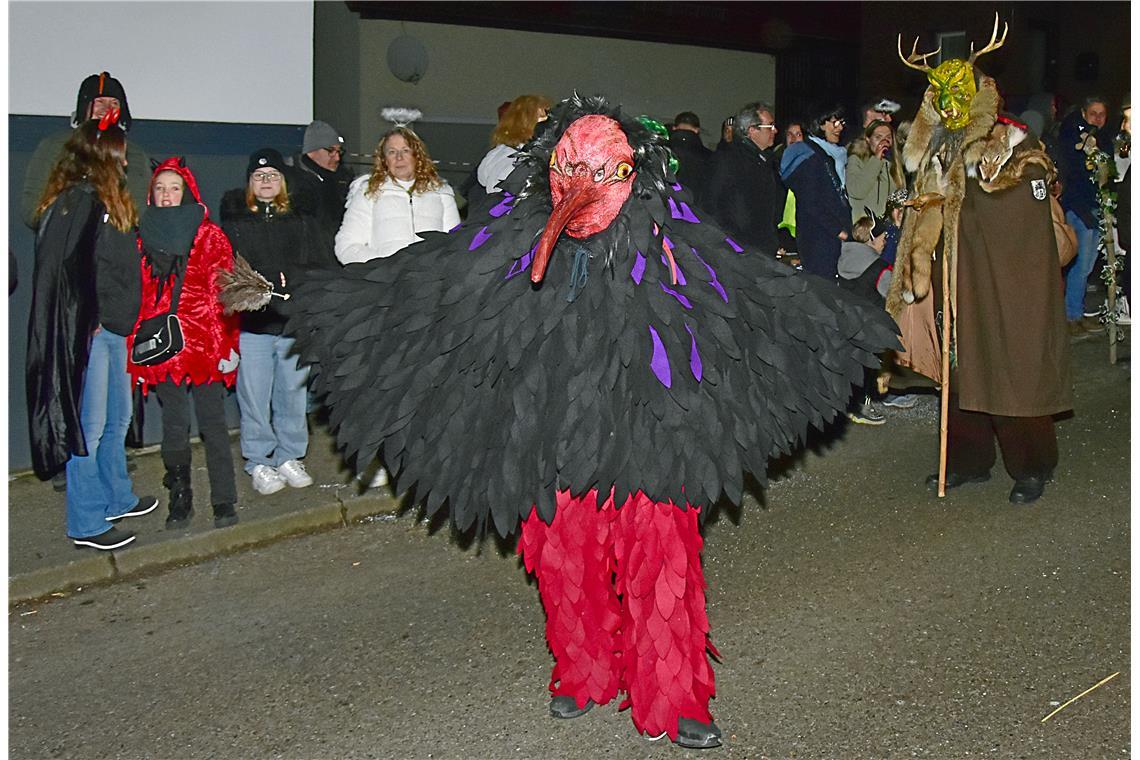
[{"x": 595, "y": 359}]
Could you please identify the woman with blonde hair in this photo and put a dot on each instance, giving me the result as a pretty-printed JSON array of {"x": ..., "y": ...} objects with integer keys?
[
  {"x": 86, "y": 295},
  {"x": 403, "y": 196},
  {"x": 516, "y": 127}
]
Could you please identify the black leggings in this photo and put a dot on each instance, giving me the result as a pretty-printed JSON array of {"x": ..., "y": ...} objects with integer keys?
[
  {"x": 1028, "y": 444},
  {"x": 210, "y": 410}
]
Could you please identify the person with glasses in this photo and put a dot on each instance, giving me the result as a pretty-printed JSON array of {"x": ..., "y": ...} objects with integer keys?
[
  {"x": 814, "y": 170},
  {"x": 280, "y": 242},
  {"x": 744, "y": 193},
  {"x": 320, "y": 182}
]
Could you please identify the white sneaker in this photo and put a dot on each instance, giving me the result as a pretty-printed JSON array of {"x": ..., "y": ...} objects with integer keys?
[
  {"x": 295, "y": 473},
  {"x": 266, "y": 480},
  {"x": 1123, "y": 315},
  {"x": 379, "y": 479}
]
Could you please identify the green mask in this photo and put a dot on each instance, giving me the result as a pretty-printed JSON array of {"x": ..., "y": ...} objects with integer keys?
[{"x": 954, "y": 90}]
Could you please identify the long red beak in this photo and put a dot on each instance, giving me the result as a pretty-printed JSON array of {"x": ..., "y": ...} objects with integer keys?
[{"x": 578, "y": 195}]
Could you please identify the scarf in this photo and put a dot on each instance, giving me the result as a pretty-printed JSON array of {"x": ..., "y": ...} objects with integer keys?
[{"x": 838, "y": 155}]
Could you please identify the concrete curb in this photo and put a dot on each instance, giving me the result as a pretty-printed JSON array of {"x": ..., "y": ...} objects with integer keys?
[{"x": 197, "y": 547}]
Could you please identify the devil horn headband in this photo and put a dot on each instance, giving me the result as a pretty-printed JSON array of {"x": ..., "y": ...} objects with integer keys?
[{"x": 109, "y": 119}]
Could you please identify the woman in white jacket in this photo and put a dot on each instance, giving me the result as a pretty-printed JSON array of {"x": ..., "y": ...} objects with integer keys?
[{"x": 403, "y": 195}]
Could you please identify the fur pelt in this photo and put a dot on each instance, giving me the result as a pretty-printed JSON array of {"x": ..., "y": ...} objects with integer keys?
[
  {"x": 939, "y": 158},
  {"x": 1004, "y": 156}
]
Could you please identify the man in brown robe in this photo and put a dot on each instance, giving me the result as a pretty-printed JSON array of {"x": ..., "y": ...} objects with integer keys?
[{"x": 983, "y": 209}]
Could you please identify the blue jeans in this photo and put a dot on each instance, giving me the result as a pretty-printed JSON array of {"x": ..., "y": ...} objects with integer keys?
[
  {"x": 98, "y": 486},
  {"x": 272, "y": 397},
  {"x": 1077, "y": 275}
]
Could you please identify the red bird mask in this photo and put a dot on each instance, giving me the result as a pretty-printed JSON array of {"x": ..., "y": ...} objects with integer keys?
[{"x": 591, "y": 176}]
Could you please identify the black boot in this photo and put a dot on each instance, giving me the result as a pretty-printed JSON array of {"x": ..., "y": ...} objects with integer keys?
[
  {"x": 177, "y": 479},
  {"x": 224, "y": 515},
  {"x": 693, "y": 734}
]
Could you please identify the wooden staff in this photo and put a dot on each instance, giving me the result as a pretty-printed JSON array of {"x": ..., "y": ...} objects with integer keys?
[
  {"x": 1110, "y": 257},
  {"x": 944, "y": 418}
]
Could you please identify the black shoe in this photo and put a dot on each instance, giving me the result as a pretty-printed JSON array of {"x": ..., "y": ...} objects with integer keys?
[
  {"x": 954, "y": 479},
  {"x": 59, "y": 482},
  {"x": 224, "y": 515},
  {"x": 177, "y": 479},
  {"x": 1027, "y": 490},
  {"x": 111, "y": 539},
  {"x": 565, "y": 707},
  {"x": 696, "y": 735},
  {"x": 144, "y": 506}
]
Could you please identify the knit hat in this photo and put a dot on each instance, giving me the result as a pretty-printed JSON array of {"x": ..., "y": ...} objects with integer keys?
[
  {"x": 319, "y": 135},
  {"x": 101, "y": 85},
  {"x": 266, "y": 158}
]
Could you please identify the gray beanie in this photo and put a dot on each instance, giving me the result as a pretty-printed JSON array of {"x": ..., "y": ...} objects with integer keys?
[{"x": 319, "y": 135}]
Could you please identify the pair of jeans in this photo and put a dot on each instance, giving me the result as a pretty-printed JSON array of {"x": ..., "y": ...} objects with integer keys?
[
  {"x": 210, "y": 410},
  {"x": 98, "y": 486},
  {"x": 272, "y": 395},
  {"x": 1077, "y": 275}
]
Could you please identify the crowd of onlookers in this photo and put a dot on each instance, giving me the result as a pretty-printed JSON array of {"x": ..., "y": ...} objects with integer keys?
[{"x": 127, "y": 252}]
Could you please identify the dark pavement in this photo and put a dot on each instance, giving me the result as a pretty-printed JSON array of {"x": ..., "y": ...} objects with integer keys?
[{"x": 858, "y": 617}]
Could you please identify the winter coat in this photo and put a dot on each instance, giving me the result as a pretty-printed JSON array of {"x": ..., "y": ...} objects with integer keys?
[
  {"x": 863, "y": 270},
  {"x": 44, "y": 157},
  {"x": 869, "y": 180},
  {"x": 280, "y": 246},
  {"x": 209, "y": 335},
  {"x": 322, "y": 194},
  {"x": 1078, "y": 182},
  {"x": 482, "y": 189},
  {"x": 745, "y": 195},
  {"x": 822, "y": 211},
  {"x": 72, "y": 238},
  {"x": 695, "y": 161},
  {"x": 378, "y": 226}
]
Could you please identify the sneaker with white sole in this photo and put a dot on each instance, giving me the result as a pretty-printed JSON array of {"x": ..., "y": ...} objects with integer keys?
[
  {"x": 899, "y": 400},
  {"x": 114, "y": 538},
  {"x": 145, "y": 505},
  {"x": 266, "y": 480},
  {"x": 379, "y": 479},
  {"x": 867, "y": 414},
  {"x": 294, "y": 473}
]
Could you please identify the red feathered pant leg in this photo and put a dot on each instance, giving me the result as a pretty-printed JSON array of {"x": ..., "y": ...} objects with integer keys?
[
  {"x": 665, "y": 629},
  {"x": 572, "y": 559},
  {"x": 649, "y": 554}
]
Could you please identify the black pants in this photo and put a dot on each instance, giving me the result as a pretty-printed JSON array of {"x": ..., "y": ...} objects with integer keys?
[
  {"x": 1028, "y": 444},
  {"x": 210, "y": 411}
]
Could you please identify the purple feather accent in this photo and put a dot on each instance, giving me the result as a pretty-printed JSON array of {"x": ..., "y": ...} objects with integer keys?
[
  {"x": 712, "y": 273},
  {"x": 680, "y": 298},
  {"x": 521, "y": 264},
  {"x": 638, "y": 268},
  {"x": 668, "y": 242},
  {"x": 660, "y": 361},
  {"x": 505, "y": 206},
  {"x": 680, "y": 273},
  {"x": 734, "y": 245},
  {"x": 482, "y": 236},
  {"x": 677, "y": 187},
  {"x": 453, "y": 229},
  {"x": 684, "y": 212},
  {"x": 695, "y": 357}
]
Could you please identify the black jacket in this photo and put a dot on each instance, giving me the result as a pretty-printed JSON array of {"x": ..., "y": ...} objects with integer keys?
[
  {"x": 745, "y": 195},
  {"x": 277, "y": 245},
  {"x": 322, "y": 194},
  {"x": 696, "y": 162},
  {"x": 822, "y": 210}
]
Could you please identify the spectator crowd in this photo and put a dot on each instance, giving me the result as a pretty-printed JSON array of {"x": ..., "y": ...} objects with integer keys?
[{"x": 128, "y": 265}]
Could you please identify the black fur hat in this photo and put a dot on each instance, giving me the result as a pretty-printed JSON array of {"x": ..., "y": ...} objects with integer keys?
[{"x": 101, "y": 85}]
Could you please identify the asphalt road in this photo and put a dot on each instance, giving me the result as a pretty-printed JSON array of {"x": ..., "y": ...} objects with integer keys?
[{"x": 857, "y": 616}]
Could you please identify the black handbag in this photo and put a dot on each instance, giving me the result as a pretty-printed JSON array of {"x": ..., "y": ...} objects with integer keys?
[{"x": 159, "y": 338}]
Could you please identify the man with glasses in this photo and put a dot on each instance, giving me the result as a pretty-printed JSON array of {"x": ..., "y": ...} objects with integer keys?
[
  {"x": 322, "y": 181},
  {"x": 745, "y": 194}
]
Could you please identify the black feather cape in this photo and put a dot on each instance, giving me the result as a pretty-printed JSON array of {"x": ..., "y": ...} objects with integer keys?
[{"x": 489, "y": 393}]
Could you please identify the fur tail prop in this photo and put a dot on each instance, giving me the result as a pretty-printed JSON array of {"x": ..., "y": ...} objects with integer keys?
[
  {"x": 244, "y": 289},
  {"x": 624, "y": 596}
]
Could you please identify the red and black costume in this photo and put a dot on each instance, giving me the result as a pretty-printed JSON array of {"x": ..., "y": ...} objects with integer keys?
[
  {"x": 655, "y": 362},
  {"x": 190, "y": 246}
]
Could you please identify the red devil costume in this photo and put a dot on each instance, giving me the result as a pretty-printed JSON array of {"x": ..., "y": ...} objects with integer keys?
[
  {"x": 180, "y": 243},
  {"x": 593, "y": 358}
]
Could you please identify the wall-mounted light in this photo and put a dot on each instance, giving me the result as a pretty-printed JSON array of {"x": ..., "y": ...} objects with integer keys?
[{"x": 407, "y": 59}]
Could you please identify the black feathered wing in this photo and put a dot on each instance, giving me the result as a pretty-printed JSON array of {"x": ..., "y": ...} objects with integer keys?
[{"x": 485, "y": 391}]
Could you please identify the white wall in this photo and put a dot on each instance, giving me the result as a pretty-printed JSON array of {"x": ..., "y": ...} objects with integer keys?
[
  {"x": 183, "y": 61},
  {"x": 471, "y": 70}
]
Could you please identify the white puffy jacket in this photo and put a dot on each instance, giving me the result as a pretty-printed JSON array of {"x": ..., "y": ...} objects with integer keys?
[{"x": 379, "y": 225}]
